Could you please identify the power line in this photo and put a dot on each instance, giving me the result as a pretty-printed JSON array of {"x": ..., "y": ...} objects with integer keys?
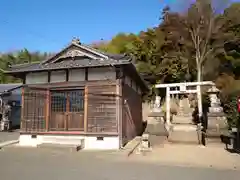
[{"x": 34, "y": 34}]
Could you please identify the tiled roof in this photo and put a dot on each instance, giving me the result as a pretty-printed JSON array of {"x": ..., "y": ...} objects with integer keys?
[
  {"x": 9, "y": 87},
  {"x": 78, "y": 63},
  {"x": 106, "y": 59}
]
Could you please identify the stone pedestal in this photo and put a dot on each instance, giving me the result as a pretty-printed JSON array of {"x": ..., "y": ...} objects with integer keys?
[
  {"x": 215, "y": 101},
  {"x": 156, "y": 115},
  {"x": 217, "y": 125},
  {"x": 215, "y": 104}
]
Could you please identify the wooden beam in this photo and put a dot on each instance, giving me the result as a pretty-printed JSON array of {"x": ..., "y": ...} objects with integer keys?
[
  {"x": 86, "y": 74},
  {"x": 192, "y": 91},
  {"x": 67, "y": 75},
  {"x": 48, "y": 101},
  {"x": 22, "y": 109},
  {"x": 24, "y": 79},
  {"x": 49, "y": 76},
  {"x": 86, "y": 109}
]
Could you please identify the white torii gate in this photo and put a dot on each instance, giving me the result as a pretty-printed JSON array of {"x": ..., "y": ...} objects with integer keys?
[{"x": 183, "y": 90}]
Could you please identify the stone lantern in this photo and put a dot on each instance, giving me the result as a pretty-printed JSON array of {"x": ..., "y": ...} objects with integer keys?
[
  {"x": 217, "y": 122},
  {"x": 215, "y": 101}
]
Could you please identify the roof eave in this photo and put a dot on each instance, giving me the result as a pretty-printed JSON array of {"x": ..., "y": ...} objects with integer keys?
[
  {"x": 144, "y": 85},
  {"x": 74, "y": 67}
]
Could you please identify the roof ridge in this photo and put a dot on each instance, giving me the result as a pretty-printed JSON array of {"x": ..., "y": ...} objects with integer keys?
[
  {"x": 91, "y": 49},
  {"x": 95, "y": 49},
  {"x": 16, "y": 65}
]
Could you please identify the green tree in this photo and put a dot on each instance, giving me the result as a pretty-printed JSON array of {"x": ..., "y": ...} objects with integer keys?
[
  {"x": 19, "y": 57},
  {"x": 231, "y": 27},
  {"x": 119, "y": 44}
]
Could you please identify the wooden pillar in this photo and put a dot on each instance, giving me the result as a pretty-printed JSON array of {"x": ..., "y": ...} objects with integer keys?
[
  {"x": 48, "y": 101},
  {"x": 121, "y": 112},
  {"x": 86, "y": 109},
  {"x": 66, "y": 120},
  {"x": 22, "y": 109},
  {"x": 119, "y": 104}
]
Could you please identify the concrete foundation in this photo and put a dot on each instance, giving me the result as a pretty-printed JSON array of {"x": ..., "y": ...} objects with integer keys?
[{"x": 87, "y": 142}]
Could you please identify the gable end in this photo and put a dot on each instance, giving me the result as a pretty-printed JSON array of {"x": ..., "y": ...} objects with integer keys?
[{"x": 76, "y": 49}]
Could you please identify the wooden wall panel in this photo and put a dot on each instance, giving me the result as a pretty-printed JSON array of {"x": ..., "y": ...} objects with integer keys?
[
  {"x": 102, "y": 108},
  {"x": 132, "y": 113}
]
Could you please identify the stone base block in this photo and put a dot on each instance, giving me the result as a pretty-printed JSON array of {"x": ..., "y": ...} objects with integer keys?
[
  {"x": 182, "y": 120},
  {"x": 186, "y": 134}
]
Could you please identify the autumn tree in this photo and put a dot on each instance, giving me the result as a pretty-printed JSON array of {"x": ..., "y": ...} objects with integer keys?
[
  {"x": 119, "y": 44},
  {"x": 196, "y": 33}
]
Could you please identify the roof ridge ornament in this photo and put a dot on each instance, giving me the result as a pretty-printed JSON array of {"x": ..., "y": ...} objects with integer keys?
[{"x": 76, "y": 41}]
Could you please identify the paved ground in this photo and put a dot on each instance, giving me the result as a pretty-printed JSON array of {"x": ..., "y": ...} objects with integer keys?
[
  {"x": 214, "y": 155},
  {"x": 31, "y": 163},
  {"x": 8, "y": 136}
]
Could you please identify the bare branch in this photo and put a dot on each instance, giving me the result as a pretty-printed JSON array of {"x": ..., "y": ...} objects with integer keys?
[
  {"x": 193, "y": 36},
  {"x": 206, "y": 55},
  {"x": 209, "y": 33}
]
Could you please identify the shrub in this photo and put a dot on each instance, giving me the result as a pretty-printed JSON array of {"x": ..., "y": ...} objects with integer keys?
[
  {"x": 229, "y": 93},
  {"x": 230, "y": 109}
]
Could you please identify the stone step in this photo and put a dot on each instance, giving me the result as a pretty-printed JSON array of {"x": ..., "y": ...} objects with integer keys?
[
  {"x": 190, "y": 137},
  {"x": 66, "y": 147},
  {"x": 184, "y": 127},
  {"x": 67, "y": 140},
  {"x": 184, "y": 133},
  {"x": 183, "y": 142},
  {"x": 182, "y": 119},
  {"x": 156, "y": 129}
]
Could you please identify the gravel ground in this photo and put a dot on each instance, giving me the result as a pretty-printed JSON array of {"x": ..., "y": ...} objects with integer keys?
[
  {"x": 33, "y": 163},
  {"x": 8, "y": 136}
]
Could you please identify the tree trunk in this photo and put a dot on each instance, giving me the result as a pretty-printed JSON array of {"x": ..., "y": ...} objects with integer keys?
[
  {"x": 200, "y": 109},
  {"x": 199, "y": 93}
]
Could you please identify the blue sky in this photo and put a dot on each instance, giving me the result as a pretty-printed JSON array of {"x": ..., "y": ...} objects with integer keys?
[{"x": 48, "y": 25}]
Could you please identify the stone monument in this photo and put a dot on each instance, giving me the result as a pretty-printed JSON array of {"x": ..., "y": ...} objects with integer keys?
[
  {"x": 215, "y": 101},
  {"x": 157, "y": 104}
]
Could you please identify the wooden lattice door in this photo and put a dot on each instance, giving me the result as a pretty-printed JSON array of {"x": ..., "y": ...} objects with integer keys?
[
  {"x": 67, "y": 110},
  {"x": 33, "y": 109}
]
